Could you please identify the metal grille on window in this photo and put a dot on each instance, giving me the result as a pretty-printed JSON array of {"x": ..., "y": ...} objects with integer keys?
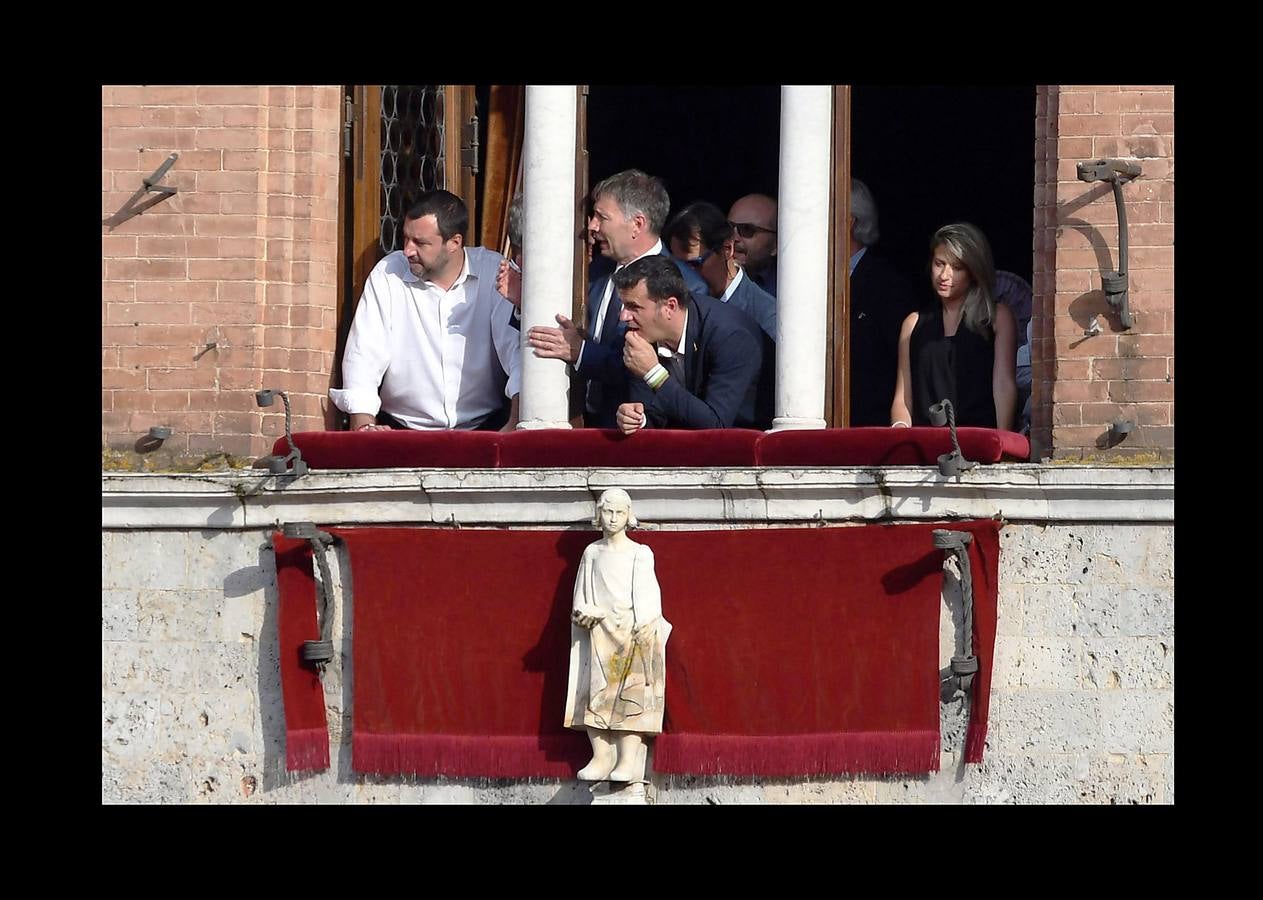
[{"x": 412, "y": 157}]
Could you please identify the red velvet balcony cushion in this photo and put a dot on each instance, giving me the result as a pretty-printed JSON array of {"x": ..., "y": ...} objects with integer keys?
[
  {"x": 608, "y": 448},
  {"x": 395, "y": 449},
  {"x": 888, "y": 446}
]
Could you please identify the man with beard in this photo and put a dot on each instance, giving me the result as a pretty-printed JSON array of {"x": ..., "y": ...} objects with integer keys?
[
  {"x": 431, "y": 345},
  {"x": 753, "y": 217},
  {"x": 693, "y": 360}
]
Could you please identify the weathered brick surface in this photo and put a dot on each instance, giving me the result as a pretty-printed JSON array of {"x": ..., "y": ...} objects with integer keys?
[
  {"x": 1078, "y": 227},
  {"x": 1082, "y": 705},
  {"x": 192, "y": 270}
]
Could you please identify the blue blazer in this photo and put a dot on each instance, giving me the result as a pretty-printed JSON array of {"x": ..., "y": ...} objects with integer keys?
[
  {"x": 722, "y": 359},
  {"x": 756, "y": 303},
  {"x": 602, "y": 362}
]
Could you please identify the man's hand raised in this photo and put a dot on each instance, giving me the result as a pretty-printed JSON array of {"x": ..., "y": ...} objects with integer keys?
[
  {"x": 638, "y": 354},
  {"x": 556, "y": 343},
  {"x": 509, "y": 284}
]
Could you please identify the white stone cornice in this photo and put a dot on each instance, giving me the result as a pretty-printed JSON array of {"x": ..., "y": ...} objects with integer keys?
[{"x": 763, "y": 496}]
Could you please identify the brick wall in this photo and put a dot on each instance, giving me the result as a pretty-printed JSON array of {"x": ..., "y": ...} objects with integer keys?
[
  {"x": 1082, "y": 383},
  {"x": 244, "y": 256}
]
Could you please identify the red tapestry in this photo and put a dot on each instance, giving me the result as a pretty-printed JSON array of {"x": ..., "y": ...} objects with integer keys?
[
  {"x": 795, "y": 652},
  {"x": 306, "y": 734}
]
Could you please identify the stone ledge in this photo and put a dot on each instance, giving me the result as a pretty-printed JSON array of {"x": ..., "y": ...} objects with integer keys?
[{"x": 736, "y": 497}]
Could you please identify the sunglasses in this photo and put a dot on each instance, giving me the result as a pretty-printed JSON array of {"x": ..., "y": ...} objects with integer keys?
[
  {"x": 699, "y": 261},
  {"x": 748, "y": 230}
]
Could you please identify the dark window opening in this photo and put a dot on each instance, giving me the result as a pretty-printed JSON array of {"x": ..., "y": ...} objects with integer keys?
[
  {"x": 705, "y": 143},
  {"x": 936, "y": 155}
]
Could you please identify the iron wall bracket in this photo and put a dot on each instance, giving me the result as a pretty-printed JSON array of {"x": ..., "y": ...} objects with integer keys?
[
  {"x": 1117, "y": 173},
  {"x": 148, "y": 185}
]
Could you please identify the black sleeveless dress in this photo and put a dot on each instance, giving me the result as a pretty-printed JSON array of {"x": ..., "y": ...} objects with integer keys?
[{"x": 958, "y": 368}]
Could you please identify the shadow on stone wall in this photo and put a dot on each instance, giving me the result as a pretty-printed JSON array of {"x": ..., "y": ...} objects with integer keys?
[{"x": 271, "y": 709}]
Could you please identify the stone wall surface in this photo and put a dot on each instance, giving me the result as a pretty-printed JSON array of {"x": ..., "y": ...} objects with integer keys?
[{"x": 1082, "y": 705}]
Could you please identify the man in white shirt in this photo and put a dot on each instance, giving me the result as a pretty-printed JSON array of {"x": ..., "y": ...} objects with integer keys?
[{"x": 431, "y": 345}]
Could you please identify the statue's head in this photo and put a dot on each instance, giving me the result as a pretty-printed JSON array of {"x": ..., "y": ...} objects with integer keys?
[{"x": 614, "y": 500}]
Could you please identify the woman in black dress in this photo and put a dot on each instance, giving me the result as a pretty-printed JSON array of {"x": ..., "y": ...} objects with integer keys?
[{"x": 962, "y": 347}]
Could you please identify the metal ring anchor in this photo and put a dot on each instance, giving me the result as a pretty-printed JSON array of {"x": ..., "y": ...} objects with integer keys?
[
  {"x": 280, "y": 465},
  {"x": 949, "y": 464}
]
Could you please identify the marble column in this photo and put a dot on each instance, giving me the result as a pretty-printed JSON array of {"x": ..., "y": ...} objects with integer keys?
[
  {"x": 802, "y": 247},
  {"x": 548, "y": 245}
]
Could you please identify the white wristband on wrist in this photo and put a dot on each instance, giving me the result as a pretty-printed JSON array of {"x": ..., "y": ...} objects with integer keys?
[{"x": 900, "y": 423}]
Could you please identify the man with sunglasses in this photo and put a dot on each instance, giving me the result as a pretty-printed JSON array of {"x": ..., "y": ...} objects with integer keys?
[
  {"x": 701, "y": 236},
  {"x": 628, "y": 212},
  {"x": 754, "y": 219}
]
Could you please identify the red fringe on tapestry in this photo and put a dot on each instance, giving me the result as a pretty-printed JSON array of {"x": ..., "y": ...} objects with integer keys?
[
  {"x": 307, "y": 749},
  {"x": 470, "y": 756},
  {"x": 789, "y": 755}
]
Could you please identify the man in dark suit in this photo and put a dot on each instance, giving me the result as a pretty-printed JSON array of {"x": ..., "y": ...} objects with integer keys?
[
  {"x": 881, "y": 298},
  {"x": 692, "y": 360},
  {"x": 628, "y": 212}
]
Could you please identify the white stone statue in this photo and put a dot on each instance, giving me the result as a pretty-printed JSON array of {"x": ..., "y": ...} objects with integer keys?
[{"x": 618, "y": 647}]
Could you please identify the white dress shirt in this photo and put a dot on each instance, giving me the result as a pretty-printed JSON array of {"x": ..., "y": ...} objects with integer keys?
[
  {"x": 855, "y": 260},
  {"x": 433, "y": 359}
]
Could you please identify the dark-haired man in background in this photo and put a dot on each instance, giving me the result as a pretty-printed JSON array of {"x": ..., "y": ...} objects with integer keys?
[
  {"x": 701, "y": 236},
  {"x": 693, "y": 361}
]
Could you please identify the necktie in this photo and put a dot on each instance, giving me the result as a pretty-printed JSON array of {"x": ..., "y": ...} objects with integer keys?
[
  {"x": 675, "y": 367},
  {"x": 592, "y": 395}
]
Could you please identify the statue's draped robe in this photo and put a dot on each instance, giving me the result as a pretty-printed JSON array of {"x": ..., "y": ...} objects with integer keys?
[{"x": 616, "y": 683}]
